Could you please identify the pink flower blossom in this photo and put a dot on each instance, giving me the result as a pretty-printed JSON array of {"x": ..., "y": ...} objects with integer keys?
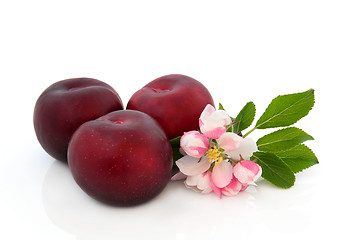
[
  {"x": 215, "y": 188},
  {"x": 215, "y": 158},
  {"x": 247, "y": 172},
  {"x": 194, "y": 143},
  {"x": 237, "y": 147},
  {"x": 192, "y": 166},
  {"x": 233, "y": 188},
  {"x": 213, "y": 122},
  {"x": 199, "y": 183},
  {"x": 222, "y": 174}
]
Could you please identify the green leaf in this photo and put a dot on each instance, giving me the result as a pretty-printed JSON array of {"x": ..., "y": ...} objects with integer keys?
[
  {"x": 282, "y": 140},
  {"x": 221, "y": 107},
  {"x": 245, "y": 117},
  {"x": 229, "y": 128},
  {"x": 286, "y": 110},
  {"x": 274, "y": 169},
  {"x": 175, "y": 145},
  {"x": 175, "y": 142},
  {"x": 298, "y": 158}
]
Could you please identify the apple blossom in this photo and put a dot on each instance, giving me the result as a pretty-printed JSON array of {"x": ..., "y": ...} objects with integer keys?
[
  {"x": 234, "y": 187},
  {"x": 192, "y": 166},
  {"x": 247, "y": 172},
  {"x": 199, "y": 183},
  {"x": 231, "y": 189},
  {"x": 222, "y": 174},
  {"x": 213, "y": 122},
  {"x": 214, "y": 159},
  {"x": 194, "y": 143},
  {"x": 215, "y": 188},
  {"x": 237, "y": 147}
]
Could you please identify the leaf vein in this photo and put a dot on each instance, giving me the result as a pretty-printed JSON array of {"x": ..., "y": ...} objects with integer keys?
[{"x": 300, "y": 101}]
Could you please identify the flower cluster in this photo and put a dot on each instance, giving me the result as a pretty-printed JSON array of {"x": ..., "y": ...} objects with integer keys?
[{"x": 217, "y": 160}]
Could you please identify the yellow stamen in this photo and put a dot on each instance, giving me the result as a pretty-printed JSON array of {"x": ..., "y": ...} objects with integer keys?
[{"x": 214, "y": 154}]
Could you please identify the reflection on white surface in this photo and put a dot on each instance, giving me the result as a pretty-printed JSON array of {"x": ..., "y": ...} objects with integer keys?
[{"x": 177, "y": 213}]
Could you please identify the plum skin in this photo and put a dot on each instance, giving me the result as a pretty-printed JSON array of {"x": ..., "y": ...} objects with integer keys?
[
  {"x": 176, "y": 101},
  {"x": 123, "y": 158},
  {"x": 67, "y": 104}
]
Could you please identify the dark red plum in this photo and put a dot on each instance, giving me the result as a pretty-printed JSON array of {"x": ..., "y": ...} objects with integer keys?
[
  {"x": 123, "y": 158},
  {"x": 175, "y": 101},
  {"x": 67, "y": 104}
]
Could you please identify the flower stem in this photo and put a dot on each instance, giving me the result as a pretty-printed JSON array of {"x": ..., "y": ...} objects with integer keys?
[{"x": 249, "y": 132}]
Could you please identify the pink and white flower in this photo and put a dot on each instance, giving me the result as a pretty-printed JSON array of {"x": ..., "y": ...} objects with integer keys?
[
  {"x": 222, "y": 174},
  {"x": 233, "y": 188},
  {"x": 199, "y": 183},
  {"x": 194, "y": 143},
  {"x": 237, "y": 147},
  {"x": 247, "y": 172},
  {"x": 213, "y": 122},
  {"x": 192, "y": 166},
  {"x": 215, "y": 159}
]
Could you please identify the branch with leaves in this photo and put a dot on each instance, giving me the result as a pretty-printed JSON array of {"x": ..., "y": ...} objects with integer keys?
[{"x": 281, "y": 154}]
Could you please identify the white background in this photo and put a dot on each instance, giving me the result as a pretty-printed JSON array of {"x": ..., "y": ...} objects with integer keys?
[{"x": 241, "y": 51}]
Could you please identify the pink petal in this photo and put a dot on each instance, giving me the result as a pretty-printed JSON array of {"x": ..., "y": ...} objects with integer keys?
[
  {"x": 221, "y": 115},
  {"x": 178, "y": 176},
  {"x": 195, "y": 151},
  {"x": 192, "y": 180},
  {"x": 194, "y": 143},
  {"x": 199, "y": 183},
  {"x": 215, "y": 133},
  {"x": 222, "y": 174},
  {"x": 244, "y": 186},
  {"x": 213, "y": 122},
  {"x": 247, "y": 147},
  {"x": 216, "y": 190},
  {"x": 208, "y": 110},
  {"x": 191, "y": 166},
  {"x": 229, "y": 141},
  {"x": 233, "y": 188},
  {"x": 252, "y": 166},
  {"x": 194, "y": 188},
  {"x": 247, "y": 172},
  {"x": 204, "y": 183}
]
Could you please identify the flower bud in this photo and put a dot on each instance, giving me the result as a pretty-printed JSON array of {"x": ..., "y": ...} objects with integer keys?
[
  {"x": 247, "y": 172},
  {"x": 233, "y": 188},
  {"x": 194, "y": 144},
  {"x": 213, "y": 122}
]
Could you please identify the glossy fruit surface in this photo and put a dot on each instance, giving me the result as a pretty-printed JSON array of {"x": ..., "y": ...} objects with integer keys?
[
  {"x": 67, "y": 104},
  {"x": 175, "y": 101},
  {"x": 123, "y": 158}
]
